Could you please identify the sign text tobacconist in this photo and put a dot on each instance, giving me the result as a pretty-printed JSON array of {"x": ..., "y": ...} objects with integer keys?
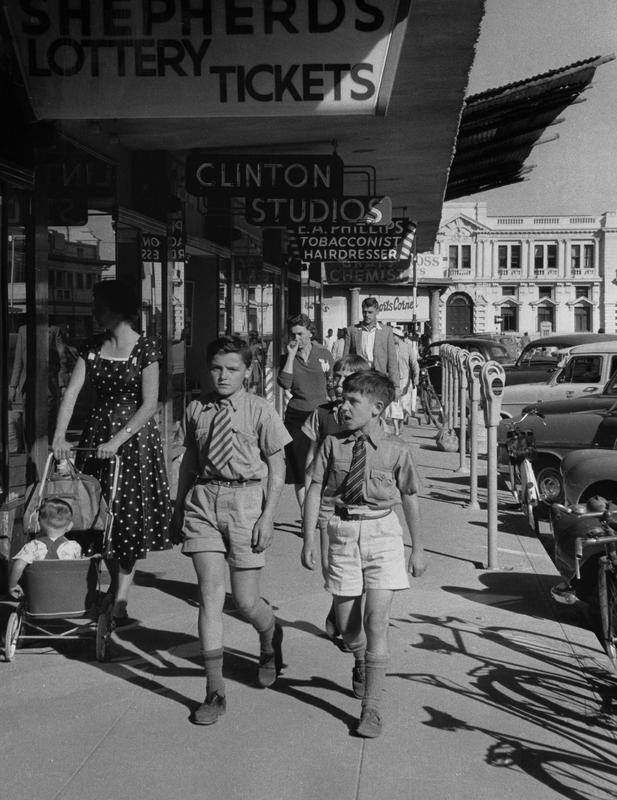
[
  {"x": 200, "y": 58},
  {"x": 352, "y": 242}
]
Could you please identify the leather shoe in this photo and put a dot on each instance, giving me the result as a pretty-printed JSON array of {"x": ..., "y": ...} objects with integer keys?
[
  {"x": 370, "y": 725},
  {"x": 270, "y": 664},
  {"x": 210, "y": 710}
]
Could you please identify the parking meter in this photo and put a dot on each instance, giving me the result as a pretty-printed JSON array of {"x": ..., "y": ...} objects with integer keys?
[
  {"x": 450, "y": 397},
  {"x": 473, "y": 368},
  {"x": 461, "y": 368},
  {"x": 492, "y": 382},
  {"x": 445, "y": 376}
]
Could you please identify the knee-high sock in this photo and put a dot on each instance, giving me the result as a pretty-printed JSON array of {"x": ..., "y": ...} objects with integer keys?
[
  {"x": 375, "y": 678},
  {"x": 213, "y": 662}
]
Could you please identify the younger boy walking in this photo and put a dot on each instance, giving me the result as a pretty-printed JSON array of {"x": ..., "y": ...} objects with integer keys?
[
  {"x": 234, "y": 444},
  {"x": 323, "y": 422},
  {"x": 365, "y": 472}
]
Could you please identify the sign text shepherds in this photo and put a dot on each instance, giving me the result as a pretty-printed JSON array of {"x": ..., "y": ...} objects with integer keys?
[{"x": 198, "y": 58}]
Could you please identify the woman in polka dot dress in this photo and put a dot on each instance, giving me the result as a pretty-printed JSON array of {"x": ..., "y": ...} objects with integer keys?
[{"x": 123, "y": 368}]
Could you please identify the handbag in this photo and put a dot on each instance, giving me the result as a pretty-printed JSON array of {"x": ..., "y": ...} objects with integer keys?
[
  {"x": 82, "y": 492},
  {"x": 447, "y": 440}
]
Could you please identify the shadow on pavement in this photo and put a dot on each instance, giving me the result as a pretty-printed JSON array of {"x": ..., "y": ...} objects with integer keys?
[
  {"x": 295, "y": 688},
  {"x": 530, "y": 679}
]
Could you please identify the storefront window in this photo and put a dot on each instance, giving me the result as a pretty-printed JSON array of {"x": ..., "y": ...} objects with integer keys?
[
  {"x": 79, "y": 256},
  {"x": 254, "y": 319},
  {"x": 19, "y": 326}
]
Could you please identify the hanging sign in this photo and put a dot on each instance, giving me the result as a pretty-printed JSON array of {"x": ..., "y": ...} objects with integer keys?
[
  {"x": 175, "y": 58},
  {"x": 247, "y": 175},
  {"x": 394, "y": 272},
  {"x": 176, "y": 239},
  {"x": 152, "y": 247},
  {"x": 359, "y": 242},
  {"x": 289, "y": 212}
]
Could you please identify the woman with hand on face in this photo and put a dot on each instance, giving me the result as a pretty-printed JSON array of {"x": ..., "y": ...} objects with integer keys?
[
  {"x": 306, "y": 372},
  {"x": 123, "y": 368}
]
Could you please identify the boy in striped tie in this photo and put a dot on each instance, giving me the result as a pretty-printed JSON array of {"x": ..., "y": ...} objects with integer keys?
[
  {"x": 234, "y": 444},
  {"x": 365, "y": 472}
]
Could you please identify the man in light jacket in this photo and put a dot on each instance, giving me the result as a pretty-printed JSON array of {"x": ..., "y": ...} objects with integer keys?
[{"x": 374, "y": 342}]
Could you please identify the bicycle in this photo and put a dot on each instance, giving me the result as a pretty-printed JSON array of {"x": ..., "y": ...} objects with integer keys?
[
  {"x": 586, "y": 550},
  {"x": 520, "y": 445},
  {"x": 607, "y": 579},
  {"x": 428, "y": 400}
]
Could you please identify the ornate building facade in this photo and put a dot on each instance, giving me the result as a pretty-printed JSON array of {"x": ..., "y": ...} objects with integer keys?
[{"x": 513, "y": 274}]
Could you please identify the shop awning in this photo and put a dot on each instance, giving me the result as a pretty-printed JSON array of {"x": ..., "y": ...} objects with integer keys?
[{"x": 500, "y": 127}]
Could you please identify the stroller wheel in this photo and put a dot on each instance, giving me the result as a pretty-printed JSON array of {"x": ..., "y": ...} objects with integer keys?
[
  {"x": 11, "y": 635},
  {"x": 103, "y": 635}
]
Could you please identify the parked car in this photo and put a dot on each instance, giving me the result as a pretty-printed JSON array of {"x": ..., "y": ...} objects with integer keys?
[
  {"x": 584, "y": 372},
  {"x": 542, "y": 356},
  {"x": 490, "y": 349},
  {"x": 586, "y": 473},
  {"x": 586, "y": 424}
]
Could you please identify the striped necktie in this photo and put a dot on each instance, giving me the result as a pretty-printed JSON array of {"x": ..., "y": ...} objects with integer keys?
[
  {"x": 221, "y": 438},
  {"x": 355, "y": 477}
]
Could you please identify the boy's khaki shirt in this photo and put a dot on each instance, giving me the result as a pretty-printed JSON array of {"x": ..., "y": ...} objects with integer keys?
[
  {"x": 390, "y": 469},
  {"x": 258, "y": 432}
]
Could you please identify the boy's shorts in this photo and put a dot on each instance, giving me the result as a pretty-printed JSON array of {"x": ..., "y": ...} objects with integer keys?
[
  {"x": 220, "y": 519},
  {"x": 365, "y": 554}
]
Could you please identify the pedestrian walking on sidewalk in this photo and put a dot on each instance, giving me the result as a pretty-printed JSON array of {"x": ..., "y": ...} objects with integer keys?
[
  {"x": 400, "y": 410},
  {"x": 323, "y": 422},
  {"x": 123, "y": 368},
  {"x": 234, "y": 444},
  {"x": 305, "y": 372},
  {"x": 365, "y": 472}
]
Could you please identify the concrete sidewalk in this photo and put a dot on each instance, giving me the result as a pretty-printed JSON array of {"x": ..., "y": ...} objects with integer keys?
[{"x": 493, "y": 691}]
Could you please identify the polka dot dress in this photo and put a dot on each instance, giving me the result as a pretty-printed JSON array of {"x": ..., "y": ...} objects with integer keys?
[{"x": 142, "y": 507}]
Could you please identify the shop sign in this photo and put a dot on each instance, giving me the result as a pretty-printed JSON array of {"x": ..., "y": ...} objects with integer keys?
[
  {"x": 289, "y": 212},
  {"x": 359, "y": 242},
  {"x": 152, "y": 247},
  {"x": 73, "y": 184},
  {"x": 176, "y": 239},
  {"x": 175, "y": 58},
  {"x": 430, "y": 265},
  {"x": 370, "y": 272},
  {"x": 250, "y": 175},
  {"x": 69, "y": 210}
]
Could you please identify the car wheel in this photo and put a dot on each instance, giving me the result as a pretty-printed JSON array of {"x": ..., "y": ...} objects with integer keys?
[{"x": 550, "y": 483}]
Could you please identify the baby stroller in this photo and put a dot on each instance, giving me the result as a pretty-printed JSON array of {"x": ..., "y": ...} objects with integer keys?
[{"x": 62, "y": 599}]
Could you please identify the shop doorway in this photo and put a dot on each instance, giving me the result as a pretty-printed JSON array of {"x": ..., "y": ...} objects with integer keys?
[{"x": 459, "y": 314}]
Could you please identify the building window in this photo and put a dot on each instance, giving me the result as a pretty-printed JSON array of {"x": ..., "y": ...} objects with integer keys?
[
  {"x": 546, "y": 314},
  {"x": 588, "y": 256},
  {"x": 582, "y": 319},
  {"x": 582, "y": 256},
  {"x": 509, "y": 256},
  {"x": 581, "y": 291},
  {"x": 508, "y": 291},
  {"x": 545, "y": 257},
  {"x": 509, "y": 318},
  {"x": 459, "y": 256},
  {"x": 545, "y": 291}
]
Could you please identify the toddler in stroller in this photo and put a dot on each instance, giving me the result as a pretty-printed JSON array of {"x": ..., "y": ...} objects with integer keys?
[
  {"x": 54, "y": 588},
  {"x": 55, "y": 519}
]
